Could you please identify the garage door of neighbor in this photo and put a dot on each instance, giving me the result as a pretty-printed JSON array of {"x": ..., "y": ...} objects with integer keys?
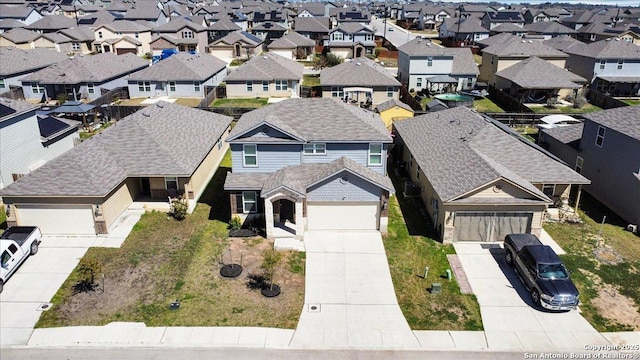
[
  {"x": 126, "y": 51},
  {"x": 342, "y": 216},
  {"x": 490, "y": 226},
  {"x": 58, "y": 219}
]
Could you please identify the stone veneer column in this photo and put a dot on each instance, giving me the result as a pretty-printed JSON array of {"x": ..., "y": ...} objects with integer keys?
[
  {"x": 268, "y": 217},
  {"x": 299, "y": 219}
]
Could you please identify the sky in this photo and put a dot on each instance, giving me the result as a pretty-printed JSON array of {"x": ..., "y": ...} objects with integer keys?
[{"x": 622, "y": 3}]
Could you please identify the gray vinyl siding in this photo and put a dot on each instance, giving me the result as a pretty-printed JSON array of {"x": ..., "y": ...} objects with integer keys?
[
  {"x": 354, "y": 189},
  {"x": 271, "y": 157},
  {"x": 266, "y": 131},
  {"x": 356, "y": 152},
  {"x": 581, "y": 65}
]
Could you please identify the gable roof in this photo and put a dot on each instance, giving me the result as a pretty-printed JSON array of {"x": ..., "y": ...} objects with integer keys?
[
  {"x": 562, "y": 43},
  {"x": 524, "y": 48},
  {"x": 548, "y": 27},
  {"x": 267, "y": 67},
  {"x": 352, "y": 28},
  {"x": 392, "y": 103},
  {"x": 78, "y": 33},
  {"x": 536, "y": 73},
  {"x": 505, "y": 16},
  {"x": 607, "y": 49},
  {"x": 565, "y": 134},
  {"x": 499, "y": 38},
  {"x": 508, "y": 27},
  {"x": 125, "y": 26},
  {"x": 178, "y": 24},
  {"x": 316, "y": 119},
  {"x": 15, "y": 61},
  {"x": 52, "y": 22},
  {"x": 622, "y": 119},
  {"x": 463, "y": 60},
  {"x": 15, "y": 12},
  {"x": 145, "y": 143},
  {"x": 20, "y": 35},
  {"x": 312, "y": 24},
  {"x": 460, "y": 151},
  {"x": 224, "y": 24},
  {"x": 239, "y": 36},
  {"x": 96, "y": 68},
  {"x": 291, "y": 41},
  {"x": 358, "y": 72},
  {"x": 467, "y": 25},
  {"x": 182, "y": 66}
]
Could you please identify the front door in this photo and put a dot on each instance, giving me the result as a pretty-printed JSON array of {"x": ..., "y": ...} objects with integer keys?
[
  {"x": 145, "y": 187},
  {"x": 358, "y": 52},
  {"x": 287, "y": 211}
]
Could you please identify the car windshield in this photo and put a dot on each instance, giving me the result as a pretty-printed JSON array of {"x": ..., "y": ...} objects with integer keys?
[{"x": 552, "y": 271}]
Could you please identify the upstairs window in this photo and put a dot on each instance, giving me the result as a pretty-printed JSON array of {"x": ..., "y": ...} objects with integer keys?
[
  {"x": 187, "y": 34},
  {"x": 144, "y": 86},
  {"x": 620, "y": 64},
  {"x": 430, "y": 61},
  {"x": 600, "y": 136},
  {"x": 375, "y": 154},
  {"x": 603, "y": 64},
  {"x": 136, "y": 35},
  {"x": 172, "y": 86},
  {"x": 579, "y": 164},
  {"x": 337, "y": 92},
  {"x": 90, "y": 88},
  {"x": 389, "y": 91},
  {"x": 75, "y": 46},
  {"x": 265, "y": 86},
  {"x": 315, "y": 149},
  {"x": 37, "y": 88},
  {"x": 250, "y": 155},
  {"x": 2, "y": 84},
  {"x": 337, "y": 36}
]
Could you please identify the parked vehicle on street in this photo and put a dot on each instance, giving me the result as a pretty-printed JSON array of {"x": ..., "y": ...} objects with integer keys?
[
  {"x": 542, "y": 272},
  {"x": 17, "y": 243}
]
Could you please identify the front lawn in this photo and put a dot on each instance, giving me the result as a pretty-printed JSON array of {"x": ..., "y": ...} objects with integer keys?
[
  {"x": 164, "y": 260},
  {"x": 311, "y": 80},
  {"x": 609, "y": 293},
  {"x": 485, "y": 105},
  {"x": 542, "y": 109},
  {"x": 240, "y": 103},
  {"x": 632, "y": 102},
  {"x": 408, "y": 252}
]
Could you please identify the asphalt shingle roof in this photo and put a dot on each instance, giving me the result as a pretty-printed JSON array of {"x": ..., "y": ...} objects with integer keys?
[
  {"x": 291, "y": 41},
  {"x": 548, "y": 27},
  {"x": 15, "y": 12},
  {"x": 460, "y": 151},
  {"x": 15, "y": 61},
  {"x": 182, "y": 66},
  {"x": 358, "y": 72},
  {"x": 238, "y": 36},
  {"x": 565, "y": 134},
  {"x": 96, "y": 68},
  {"x": 268, "y": 67},
  {"x": 352, "y": 28},
  {"x": 623, "y": 120},
  {"x": 145, "y": 143},
  {"x": 536, "y": 73},
  {"x": 20, "y": 35},
  {"x": 312, "y": 24},
  {"x": 317, "y": 119},
  {"x": 391, "y": 103},
  {"x": 607, "y": 49},
  {"x": 52, "y": 22},
  {"x": 224, "y": 24},
  {"x": 126, "y": 26},
  {"x": 177, "y": 25},
  {"x": 17, "y": 106},
  {"x": 463, "y": 61},
  {"x": 524, "y": 48},
  {"x": 562, "y": 43}
]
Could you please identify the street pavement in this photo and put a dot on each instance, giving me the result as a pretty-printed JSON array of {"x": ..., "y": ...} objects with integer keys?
[{"x": 398, "y": 36}]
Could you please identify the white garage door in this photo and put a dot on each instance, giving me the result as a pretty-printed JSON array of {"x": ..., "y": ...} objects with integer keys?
[
  {"x": 341, "y": 216},
  {"x": 490, "y": 226},
  {"x": 58, "y": 219}
]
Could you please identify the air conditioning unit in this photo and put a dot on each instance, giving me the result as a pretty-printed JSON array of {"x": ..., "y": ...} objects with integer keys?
[
  {"x": 411, "y": 189},
  {"x": 633, "y": 228}
]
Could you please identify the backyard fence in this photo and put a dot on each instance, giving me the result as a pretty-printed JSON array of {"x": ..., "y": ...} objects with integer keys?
[
  {"x": 14, "y": 93},
  {"x": 506, "y": 101},
  {"x": 603, "y": 100},
  {"x": 112, "y": 95}
]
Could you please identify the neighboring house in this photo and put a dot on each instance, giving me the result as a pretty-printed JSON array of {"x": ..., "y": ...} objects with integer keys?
[
  {"x": 310, "y": 164},
  {"x": 501, "y": 55},
  {"x": 393, "y": 110},
  {"x": 28, "y": 142},
  {"x": 18, "y": 63},
  {"x": 123, "y": 36},
  {"x": 294, "y": 46},
  {"x": 548, "y": 30},
  {"x": 508, "y": 28},
  {"x": 20, "y": 38},
  {"x": 435, "y": 105},
  {"x": 80, "y": 40},
  {"x": 26, "y": 15},
  {"x": 611, "y": 66},
  {"x": 146, "y": 11},
  {"x": 179, "y": 34},
  {"x": 312, "y": 9},
  {"x": 478, "y": 179},
  {"x": 341, "y": 16},
  {"x": 534, "y": 80},
  {"x": 562, "y": 43},
  {"x": 164, "y": 150},
  {"x": 264, "y": 76},
  {"x": 8, "y": 24},
  {"x": 604, "y": 149},
  {"x": 221, "y": 28},
  {"x": 51, "y": 23},
  {"x": 424, "y": 65},
  {"x": 491, "y": 19},
  {"x": 82, "y": 76},
  {"x": 268, "y": 31},
  {"x": 351, "y": 40},
  {"x": 463, "y": 29},
  {"x": 360, "y": 81},
  {"x": 181, "y": 75},
  {"x": 545, "y": 15},
  {"x": 314, "y": 28},
  {"x": 236, "y": 45}
]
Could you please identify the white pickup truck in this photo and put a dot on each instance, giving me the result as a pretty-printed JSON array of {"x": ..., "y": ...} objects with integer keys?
[{"x": 16, "y": 244}]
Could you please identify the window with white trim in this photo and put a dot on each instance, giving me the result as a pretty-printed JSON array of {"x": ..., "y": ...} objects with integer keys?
[
  {"x": 419, "y": 82},
  {"x": 136, "y": 35},
  {"x": 430, "y": 61},
  {"x": 620, "y": 64},
  {"x": 281, "y": 84},
  {"x": 90, "y": 88},
  {"x": 389, "y": 91},
  {"x": 603, "y": 64},
  {"x": 75, "y": 46},
  {"x": 265, "y": 86},
  {"x": 250, "y": 155},
  {"x": 99, "y": 34},
  {"x": 249, "y": 201},
  {"x": 600, "y": 136},
  {"x": 249, "y": 85},
  {"x": 2, "y": 84},
  {"x": 171, "y": 183},
  {"x": 337, "y": 36},
  {"x": 375, "y": 154},
  {"x": 337, "y": 92},
  {"x": 549, "y": 189},
  {"x": 172, "y": 86},
  {"x": 368, "y": 37},
  {"x": 144, "y": 86},
  {"x": 315, "y": 149},
  {"x": 579, "y": 164},
  {"x": 196, "y": 86},
  {"x": 187, "y": 34},
  {"x": 36, "y": 88}
]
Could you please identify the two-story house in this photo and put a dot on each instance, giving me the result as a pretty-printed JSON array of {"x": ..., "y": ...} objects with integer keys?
[
  {"x": 221, "y": 28},
  {"x": 314, "y": 28},
  {"x": 604, "y": 149},
  {"x": 463, "y": 29},
  {"x": 264, "y": 76},
  {"x": 548, "y": 29},
  {"x": 612, "y": 66},
  {"x": 82, "y": 76},
  {"x": 123, "y": 36},
  {"x": 236, "y": 45},
  {"x": 533, "y": 15},
  {"x": 25, "y": 14},
  {"x": 351, "y": 40},
  {"x": 424, "y": 65},
  {"x": 181, "y": 75},
  {"x": 491, "y": 19},
  {"x": 310, "y": 164},
  {"x": 27, "y": 141},
  {"x": 18, "y": 63},
  {"x": 181, "y": 35},
  {"x": 148, "y": 12}
]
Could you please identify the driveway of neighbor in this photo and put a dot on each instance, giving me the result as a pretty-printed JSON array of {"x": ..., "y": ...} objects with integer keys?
[
  {"x": 349, "y": 296},
  {"x": 510, "y": 321},
  {"x": 39, "y": 277}
]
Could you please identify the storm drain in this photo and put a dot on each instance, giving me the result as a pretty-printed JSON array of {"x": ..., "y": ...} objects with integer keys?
[
  {"x": 44, "y": 306},
  {"x": 314, "y": 308}
]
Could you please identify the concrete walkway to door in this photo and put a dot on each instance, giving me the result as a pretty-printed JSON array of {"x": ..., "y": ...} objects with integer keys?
[{"x": 349, "y": 297}]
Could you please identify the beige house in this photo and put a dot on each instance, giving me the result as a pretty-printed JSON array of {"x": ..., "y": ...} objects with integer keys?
[
  {"x": 143, "y": 158},
  {"x": 122, "y": 35},
  {"x": 500, "y": 56},
  {"x": 19, "y": 38},
  {"x": 478, "y": 180},
  {"x": 265, "y": 76},
  {"x": 236, "y": 45}
]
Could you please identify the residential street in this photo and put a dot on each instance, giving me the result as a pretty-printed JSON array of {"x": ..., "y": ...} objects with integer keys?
[{"x": 398, "y": 36}]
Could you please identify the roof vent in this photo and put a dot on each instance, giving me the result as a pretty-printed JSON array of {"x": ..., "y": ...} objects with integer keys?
[
  {"x": 160, "y": 105},
  {"x": 530, "y": 42},
  {"x": 146, "y": 114},
  {"x": 523, "y": 41},
  {"x": 357, "y": 63}
]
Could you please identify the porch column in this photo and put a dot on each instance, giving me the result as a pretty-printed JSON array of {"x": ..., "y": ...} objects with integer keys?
[
  {"x": 578, "y": 199},
  {"x": 299, "y": 219},
  {"x": 268, "y": 217}
]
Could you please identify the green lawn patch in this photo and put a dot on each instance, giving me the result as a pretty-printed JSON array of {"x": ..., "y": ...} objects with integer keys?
[
  {"x": 564, "y": 109},
  {"x": 164, "y": 260},
  {"x": 632, "y": 102},
  {"x": 311, "y": 80},
  {"x": 485, "y": 105},
  {"x": 89, "y": 134},
  {"x": 410, "y": 248},
  {"x": 3, "y": 220},
  {"x": 608, "y": 292},
  {"x": 241, "y": 103}
]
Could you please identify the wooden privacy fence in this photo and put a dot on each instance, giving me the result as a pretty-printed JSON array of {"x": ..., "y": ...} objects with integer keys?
[
  {"x": 14, "y": 93},
  {"x": 507, "y": 101},
  {"x": 603, "y": 100}
]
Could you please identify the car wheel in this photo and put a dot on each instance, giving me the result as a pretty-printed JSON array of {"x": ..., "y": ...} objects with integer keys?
[
  {"x": 34, "y": 248},
  {"x": 535, "y": 297},
  {"x": 509, "y": 257}
]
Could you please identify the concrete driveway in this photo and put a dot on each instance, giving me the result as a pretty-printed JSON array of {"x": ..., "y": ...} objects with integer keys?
[
  {"x": 509, "y": 318},
  {"x": 349, "y": 297}
]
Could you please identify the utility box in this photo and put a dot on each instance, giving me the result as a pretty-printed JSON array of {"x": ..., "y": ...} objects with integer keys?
[{"x": 436, "y": 288}]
